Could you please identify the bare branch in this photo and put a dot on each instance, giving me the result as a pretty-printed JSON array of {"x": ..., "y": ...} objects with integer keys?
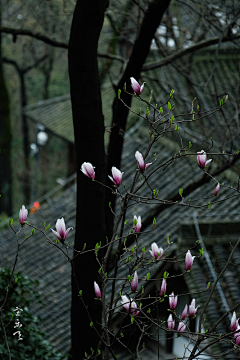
[
  {"x": 178, "y": 54},
  {"x": 49, "y": 41}
]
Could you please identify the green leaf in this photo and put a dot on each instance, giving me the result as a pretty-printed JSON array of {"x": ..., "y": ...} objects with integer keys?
[
  {"x": 16, "y": 280},
  {"x": 80, "y": 292},
  {"x": 198, "y": 107},
  {"x": 47, "y": 227},
  {"x": 148, "y": 276},
  {"x": 10, "y": 222},
  {"x": 150, "y": 96},
  {"x": 169, "y": 106},
  {"x": 221, "y": 102},
  {"x": 91, "y": 324},
  {"x": 165, "y": 275},
  {"x": 125, "y": 86},
  {"x": 143, "y": 250},
  {"x": 126, "y": 222},
  {"x": 226, "y": 98},
  {"x": 121, "y": 334},
  {"x": 189, "y": 144},
  {"x": 135, "y": 222},
  {"x": 180, "y": 192},
  {"x": 32, "y": 231},
  {"x": 119, "y": 93},
  {"x": 208, "y": 285},
  {"x": 100, "y": 270},
  {"x": 209, "y": 205},
  {"x": 149, "y": 311},
  {"x": 161, "y": 110},
  {"x": 168, "y": 240},
  {"x": 109, "y": 204},
  {"x": 132, "y": 319},
  {"x": 201, "y": 252}
]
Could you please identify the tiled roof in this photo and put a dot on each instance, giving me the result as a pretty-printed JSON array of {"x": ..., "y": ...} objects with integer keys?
[
  {"x": 42, "y": 261},
  {"x": 56, "y": 114}
]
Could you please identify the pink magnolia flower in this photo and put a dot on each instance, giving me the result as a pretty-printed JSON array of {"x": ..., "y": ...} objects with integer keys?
[
  {"x": 189, "y": 260},
  {"x": 97, "y": 290},
  {"x": 202, "y": 159},
  {"x": 117, "y": 176},
  {"x": 163, "y": 288},
  {"x": 234, "y": 322},
  {"x": 192, "y": 310},
  {"x": 140, "y": 161},
  {"x": 237, "y": 334},
  {"x": 156, "y": 252},
  {"x": 173, "y": 301},
  {"x": 136, "y": 87},
  {"x": 181, "y": 326},
  {"x": 170, "y": 322},
  {"x": 126, "y": 304},
  {"x": 184, "y": 313},
  {"x": 134, "y": 283},
  {"x": 137, "y": 224},
  {"x": 61, "y": 232},
  {"x": 23, "y": 213},
  {"x": 88, "y": 170},
  {"x": 216, "y": 190},
  {"x": 237, "y": 340}
]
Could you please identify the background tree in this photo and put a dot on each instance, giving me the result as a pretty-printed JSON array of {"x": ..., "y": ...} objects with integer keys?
[{"x": 5, "y": 140}]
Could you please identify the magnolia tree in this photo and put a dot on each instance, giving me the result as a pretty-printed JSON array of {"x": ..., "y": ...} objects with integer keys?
[{"x": 124, "y": 300}]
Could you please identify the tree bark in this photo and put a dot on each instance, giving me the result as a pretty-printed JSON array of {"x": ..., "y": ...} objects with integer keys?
[
  {"x": 88, "y": 123},
  {"x": 139, "y": 54}
]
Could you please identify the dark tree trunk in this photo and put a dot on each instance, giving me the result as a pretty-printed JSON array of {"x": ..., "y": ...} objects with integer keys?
[
  {"x": 26, "y": 145},
  {"x": 139, "y": 54},
  {"x": 89, "y": 144},
  {"x": 71, "y": 159},
  {"x": 5, "y": 144}
]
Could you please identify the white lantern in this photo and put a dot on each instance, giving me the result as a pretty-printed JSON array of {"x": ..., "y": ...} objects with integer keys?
[{"x": 42, "y": 138}]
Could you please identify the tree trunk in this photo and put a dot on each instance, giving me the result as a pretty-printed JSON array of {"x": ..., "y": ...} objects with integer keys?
[
  {"x": 26, "y": 144},
  {"x": 5, "y": 144},
  {"x": 139, "y": 54},
  {"x": 88, "y": 123}
]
